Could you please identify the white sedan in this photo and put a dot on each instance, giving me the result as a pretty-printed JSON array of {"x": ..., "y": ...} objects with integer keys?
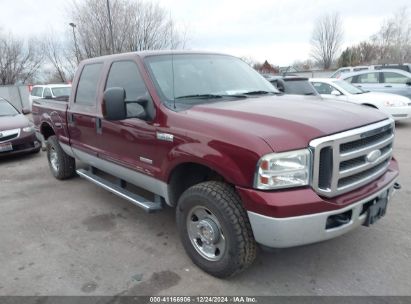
[{"x": 399, "y": 107}]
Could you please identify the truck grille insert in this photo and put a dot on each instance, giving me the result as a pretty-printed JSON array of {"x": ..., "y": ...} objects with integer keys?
[{"x": 351, "y": 159}]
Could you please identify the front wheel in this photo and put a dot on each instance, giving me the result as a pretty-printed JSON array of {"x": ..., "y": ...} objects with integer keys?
[
  {"x": 61, "y": 165},
  {"x": 215, "y": 230}
]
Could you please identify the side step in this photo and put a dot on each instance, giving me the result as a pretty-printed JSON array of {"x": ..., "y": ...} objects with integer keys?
[{"x": 118, "y": 190}]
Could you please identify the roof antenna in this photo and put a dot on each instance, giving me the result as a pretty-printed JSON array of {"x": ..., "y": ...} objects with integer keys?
[{"x": 172, "y": 70}]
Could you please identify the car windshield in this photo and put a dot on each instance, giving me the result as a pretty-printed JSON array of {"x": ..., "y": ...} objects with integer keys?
[
  {"x": 299, "y": 87},
  {"x": 349, "y": 87},
  {"x": 190, "y": 78},
  {"x": 61, "y": 91},
  {"x": 7, "y": 109}
]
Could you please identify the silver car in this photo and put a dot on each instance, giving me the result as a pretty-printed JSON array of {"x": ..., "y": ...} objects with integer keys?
[{"x": 385, "y": 80}]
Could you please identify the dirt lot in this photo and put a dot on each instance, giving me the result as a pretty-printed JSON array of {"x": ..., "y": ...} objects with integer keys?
[{"x": 73, "y": 238}]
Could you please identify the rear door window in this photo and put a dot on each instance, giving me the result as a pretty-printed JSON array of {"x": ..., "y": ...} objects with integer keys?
[
  {"x": 87, "y": 87},
  {"x": 368, "y": 78},
  {"x": 392, "y": 77}
]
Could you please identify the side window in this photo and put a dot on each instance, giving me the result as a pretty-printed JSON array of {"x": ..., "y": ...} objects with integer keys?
[
  {"x": 349, "y": 79},
  {"x": 125, "y": 74},
  {"x": 368, "y": 78},
  {"x": 323, "y": 88},
  {"x": 391, "y": 77},
  {"x": 87, "y": 87},
  {"x": 47, "y": 92}
]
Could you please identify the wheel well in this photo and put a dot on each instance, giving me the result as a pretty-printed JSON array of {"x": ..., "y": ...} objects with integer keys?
[
  {"x": 46, "y": 130},
  {"x": 186, "y": 175},
  {"x": 369, "y": 105}
]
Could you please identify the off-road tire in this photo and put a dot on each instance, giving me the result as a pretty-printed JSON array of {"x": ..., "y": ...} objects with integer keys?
[
  {"x": 66, "y": 164},
  {"x": 224, "y": 202}
]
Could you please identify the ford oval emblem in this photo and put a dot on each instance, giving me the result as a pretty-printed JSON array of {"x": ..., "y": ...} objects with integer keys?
[{"x": 373, "y": 156}]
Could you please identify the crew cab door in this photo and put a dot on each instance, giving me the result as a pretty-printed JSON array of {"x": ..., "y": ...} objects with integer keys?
[
  {"x": 130, "y": 142},
  {"x": 81, "y": 115}
]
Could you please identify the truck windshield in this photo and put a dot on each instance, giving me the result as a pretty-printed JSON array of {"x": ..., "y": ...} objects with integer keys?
[
  {"x": 203, "y": 77},
  {"x": 7, "y": 109},
  {"x": 61, "y": 91}
]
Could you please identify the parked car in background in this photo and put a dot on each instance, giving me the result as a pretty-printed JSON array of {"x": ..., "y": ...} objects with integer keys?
[
  {"x": 17, "y": 133},
  {"x": 293, "y": 85},
  {"x": 385, "y": 80},
  {"x": 49, "y": 91},
  {"x": 343, "y": 70},
  {"x": 399, "y": 107}
]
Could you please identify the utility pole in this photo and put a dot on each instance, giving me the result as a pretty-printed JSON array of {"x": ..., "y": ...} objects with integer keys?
[
  {"x": 75, "y": 42},
  {"x": 110, "y": 26}
]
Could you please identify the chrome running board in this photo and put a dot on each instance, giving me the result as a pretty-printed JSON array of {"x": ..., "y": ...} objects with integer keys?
[{"x": 119, "y": 190}]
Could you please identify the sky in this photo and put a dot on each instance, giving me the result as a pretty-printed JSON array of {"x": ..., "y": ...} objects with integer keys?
[{"x": 275, "y": 30}]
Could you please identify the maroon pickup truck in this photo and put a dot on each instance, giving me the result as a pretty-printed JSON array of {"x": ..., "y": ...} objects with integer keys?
[{"x": 241, "y": 163}]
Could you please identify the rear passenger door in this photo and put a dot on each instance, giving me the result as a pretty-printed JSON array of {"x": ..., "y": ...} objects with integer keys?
[{"x": 81, "y": 116}]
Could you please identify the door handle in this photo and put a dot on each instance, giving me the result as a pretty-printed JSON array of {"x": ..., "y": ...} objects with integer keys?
[
  {"x": 99, "y": 129},
  {"x": 71, "y": 119},
  {"x": 388, "y": 86}
]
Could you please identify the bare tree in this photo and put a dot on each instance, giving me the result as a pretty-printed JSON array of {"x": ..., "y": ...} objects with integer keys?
[
  {"x": 393, "y": 41},
  {"x": 326, "y": 39},
  {"x": 137, "y": 26},
  {"x": 60, "y": 63},
  {"x": 19, "y": 59}
]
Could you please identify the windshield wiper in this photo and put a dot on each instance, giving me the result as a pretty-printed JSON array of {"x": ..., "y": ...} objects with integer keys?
[
  {"x": 259, "y": 93},
  {"x": 210, "y": 96}
]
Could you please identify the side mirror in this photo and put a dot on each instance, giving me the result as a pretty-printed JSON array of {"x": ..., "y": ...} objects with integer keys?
[
  {"x": 335, "y": 93},
  {"x": 408, "y": 82},
  {"x": 48, "y": 97},
  {"x": 136, "y": 110},
  {"x": 25, "y": 111},
  {"x": 114, "y": 104}
]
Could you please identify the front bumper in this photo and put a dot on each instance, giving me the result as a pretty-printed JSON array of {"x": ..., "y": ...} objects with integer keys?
[
  {"x": 300, "y": 230},
  {"x": 25, "y": 143},
  {"x": 287, "y": 218}
]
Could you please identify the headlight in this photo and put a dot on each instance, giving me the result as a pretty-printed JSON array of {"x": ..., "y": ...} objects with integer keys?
[
  {"x": 28, "y": 129},
  {"x": 395, "y": 104},
  {"x": 283, "y": 170}
]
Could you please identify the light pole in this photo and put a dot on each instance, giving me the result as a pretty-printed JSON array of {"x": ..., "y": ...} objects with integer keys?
[
  {"x": 75, "y": 41},
  {"x": 110, "y": 26}
]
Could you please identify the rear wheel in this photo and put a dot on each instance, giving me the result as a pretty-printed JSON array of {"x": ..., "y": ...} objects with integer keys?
[
  {"x": 61, "y": 165},
  {"x": 215, "y": 230}
]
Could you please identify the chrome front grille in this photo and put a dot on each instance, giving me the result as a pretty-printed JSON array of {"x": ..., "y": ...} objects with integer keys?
[
  {"x": 9, "y": 135},
  {"x": 351, "y": 159}
]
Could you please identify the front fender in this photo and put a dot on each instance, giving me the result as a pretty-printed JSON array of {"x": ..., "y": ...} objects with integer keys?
[{"x": 235, "y": 164}]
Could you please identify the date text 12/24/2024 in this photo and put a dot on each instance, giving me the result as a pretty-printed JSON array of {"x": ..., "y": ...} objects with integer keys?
[{"x": 203, "y": 299}]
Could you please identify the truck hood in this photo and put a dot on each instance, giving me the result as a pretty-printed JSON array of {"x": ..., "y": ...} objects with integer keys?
[
  {"x": 13, "y": 122},
  {"x": 287, "y": 122}
]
